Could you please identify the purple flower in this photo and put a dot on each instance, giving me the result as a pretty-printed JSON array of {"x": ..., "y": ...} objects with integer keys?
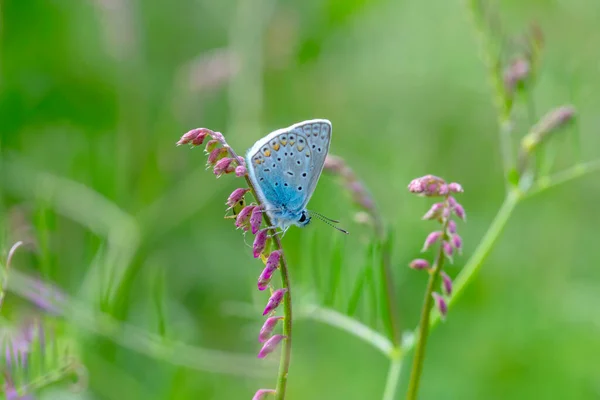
[
  {"x": 235, "y": 196},
  {"x": 457, "y": 242},
  {"x": 448, "y": 250},
  {"x": 419, "y": 264},
  {"x": 431, "y": 239},
  {"x": 243, "y": 216},
  {"x": 259, "y": 242},
  {"x": 428, "y": 185},
  {"x": 274, "y": 300},
  {"x": 265, "y": 277},
  {"x": 270, "y": 345},
  {"x": 446, "y": 284},
  {"x": 261, "y": 394},
  {"x": 256, "y": 219},
  {"x": 273, "y": 260},
  {"x": 455, "y": 187},
  {"x": 211, "y": 145},
  {"x": 267, "y": 328},
  {"x": 216, "y": 155},
  {"x": 440, "y": 304},
  {"x": 460, "y": 211}
]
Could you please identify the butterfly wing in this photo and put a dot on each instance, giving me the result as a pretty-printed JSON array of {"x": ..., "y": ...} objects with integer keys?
[{"x": 285, "y": 166}]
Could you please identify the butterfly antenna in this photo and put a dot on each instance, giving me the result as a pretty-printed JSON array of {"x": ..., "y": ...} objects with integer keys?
[{"x": 328, "y": 221}]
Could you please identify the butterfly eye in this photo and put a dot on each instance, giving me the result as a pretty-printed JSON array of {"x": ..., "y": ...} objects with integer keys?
[{"x": 302, "y": 217}]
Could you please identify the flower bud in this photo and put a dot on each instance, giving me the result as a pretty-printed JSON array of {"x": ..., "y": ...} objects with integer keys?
[
  {"x": 459, "y": 211},
  {"x": 435, "y": 212},
  {"x": 243, "y": 216},
  {"x": 457, "y": 242},
  {"x": 222, "y": 166},
  {"x": 262, "y": 394},
  {"x": 428, "y": 185},
  {"x": 446, "y": 284},
  {"x": 448, "y": 250},
  {"x": 211, "y": 145},
  {"x": 216, "y": 155},
  {"x": 267, "y": 328},
  {"x": 451, "y": 227},
  {"x": 265, "y": 277},
  {"x": 455, "y": 187},
  {"x": 274, "y": 300},
  {"x": 516, "y": 73},
  {"x": 419, "y": 264},
  {"x": 270, "y": 345},
  {"x": 273, "y": 260},
  {"x": 256, "y": 219},
  {"x": 431, "y": 239},
  {"x": 440, "y": 304},
  {"x": 240, "y": 171},
  {"x": 550, "y": 123},
  {"x": 236, "y": 196},
  {"x": 260, "y": 240}
]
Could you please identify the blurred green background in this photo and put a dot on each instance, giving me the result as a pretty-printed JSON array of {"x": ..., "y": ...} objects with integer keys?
[{"x": 94, "y": 94}]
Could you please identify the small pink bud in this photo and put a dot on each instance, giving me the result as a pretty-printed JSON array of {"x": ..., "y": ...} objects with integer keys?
[
  {"x": 446, "y": 213},
  {"x": 259, "y": 243},
  {"x": 457, "y": 242},
  {"x": 274, "y": 300},
  {"x": 419, "y": 264},
  {"x": 270, "y": 345},
  {"x": 243, "y": 216},
  {"x": 448, "y": 250},
  {"x": 431, "y": 239},
  {"x": 216, "y": 155},
  {"x": 222, "y": 166},
  {"x": 218, "y": 136},
  {"x": 451, "y": 201},
  {"x": 265, "y": 278},
  {"x": 440, "y": 304},
  {"x": 446, "y": 284},
  {"x": 211, "y": 145},
  {"x": 236, "y": 196},
  {"x": 443, "y": 190},
  {"x": 195, "y": 137},
  {"x": 455, "y": 187},
  {"x": 256, "y": 219},
  {"x": 460, "y": 212},
  {"x": 240, "y": 171},
  {"x": 434, "y": 212},
  {"x": 262, "y": 394},
  {"x": 451, "y": 227},
  {"x": 267, "y": 328},
  {"x": 273, "y": 260}
]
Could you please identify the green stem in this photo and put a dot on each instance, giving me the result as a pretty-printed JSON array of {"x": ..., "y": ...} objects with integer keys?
[
  {"x": 393, "y": 377},
  {"x": 564, "y": 176},
  {"x": 423, "y": 331}
]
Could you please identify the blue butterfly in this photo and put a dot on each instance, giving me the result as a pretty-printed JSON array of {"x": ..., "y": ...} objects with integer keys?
[{"x": 284, "y": 168}]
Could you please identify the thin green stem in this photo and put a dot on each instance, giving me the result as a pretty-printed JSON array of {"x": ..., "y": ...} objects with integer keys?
[
  {"x": 563, "y": 177},
  {"x": 423, "y": 330},
  {"x": 393, "y": 378}
]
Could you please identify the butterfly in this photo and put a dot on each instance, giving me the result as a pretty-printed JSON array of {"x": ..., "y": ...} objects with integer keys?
[{"x": 284, "y": 168}]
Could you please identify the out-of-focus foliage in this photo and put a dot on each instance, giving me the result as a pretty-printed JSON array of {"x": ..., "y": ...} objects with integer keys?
[{"x": 94, "y": 94}]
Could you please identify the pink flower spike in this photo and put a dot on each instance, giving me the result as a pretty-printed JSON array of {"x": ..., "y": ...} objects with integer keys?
[
  {"x": 256, "y": 219},
  {"x": 270, "y": 345},
  {"x": 451, "y": 227},
  {"x": 428, "y": 185},
  {"x": 434, "y": 212},
  {"x": 431, "y": 239},
  {"x": 460, "y": 212},
  {"x": 265, "y": 278},
  {"x": 440, "y": 304},
  {"x": 274, "y": 300},
  {"x": 457, "y": 242},
  {"x": 235, "y": 196},
  {"x": 262, "y": 394},
  {"x": 448, "y": 250},
  {"x": 446, "y": 284},
  {"x": 240, "y": 171},
  {"x": 419, "y": 264},
  {"x": 455, "y": 188},
  {"x": 242, "y": 218},
  {"x": 259, "y": 243},
  {"x": 267, "y": 328}
]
